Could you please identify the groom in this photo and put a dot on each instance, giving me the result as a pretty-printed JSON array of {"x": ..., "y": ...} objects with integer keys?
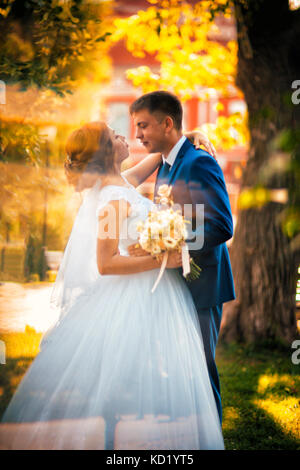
[{"x": 196, "y": 179}]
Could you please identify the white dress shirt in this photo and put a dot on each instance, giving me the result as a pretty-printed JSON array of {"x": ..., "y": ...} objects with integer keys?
[{"x": 174, "y": 151}]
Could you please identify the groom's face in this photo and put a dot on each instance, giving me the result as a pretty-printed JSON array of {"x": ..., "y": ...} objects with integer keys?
[{"x": 150, "y": 130}]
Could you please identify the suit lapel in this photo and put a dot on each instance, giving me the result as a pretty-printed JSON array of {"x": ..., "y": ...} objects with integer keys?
[
  {"x": 187, "y": 144},
  {"x": 170, "y": 178}
]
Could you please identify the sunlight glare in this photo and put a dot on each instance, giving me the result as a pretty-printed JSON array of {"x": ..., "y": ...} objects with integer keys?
[
  {"x": 294, "y": 4},
  {"x": 30, "y": 306}
]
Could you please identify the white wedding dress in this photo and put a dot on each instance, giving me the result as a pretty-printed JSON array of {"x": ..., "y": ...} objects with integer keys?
[{"x": 123, "y": 368}]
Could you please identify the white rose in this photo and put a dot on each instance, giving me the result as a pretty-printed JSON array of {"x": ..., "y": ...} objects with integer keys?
[{"x": 164, "y": 191}]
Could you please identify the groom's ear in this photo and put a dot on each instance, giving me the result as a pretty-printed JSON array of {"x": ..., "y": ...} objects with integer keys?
[{"x": 169, "y": 123}]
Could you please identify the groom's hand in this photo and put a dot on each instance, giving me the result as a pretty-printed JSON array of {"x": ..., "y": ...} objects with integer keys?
[{"x": 136, "y": 250}]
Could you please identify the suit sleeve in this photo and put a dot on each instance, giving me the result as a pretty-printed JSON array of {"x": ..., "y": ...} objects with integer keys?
[{"x": 207, "y": 186}]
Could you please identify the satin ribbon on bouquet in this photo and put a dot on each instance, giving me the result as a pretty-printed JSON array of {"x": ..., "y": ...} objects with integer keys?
[{"x": 185, "y": 264}]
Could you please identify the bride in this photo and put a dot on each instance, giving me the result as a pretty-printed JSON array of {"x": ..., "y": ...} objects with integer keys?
[{"x": 123, "y": 368}]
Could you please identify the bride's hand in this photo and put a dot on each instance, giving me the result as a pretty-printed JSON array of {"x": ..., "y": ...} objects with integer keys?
[
  {"x": 136, "y": 250},
  {"x": 174, "y": 259},
  {"x": 199, "y": 138}
]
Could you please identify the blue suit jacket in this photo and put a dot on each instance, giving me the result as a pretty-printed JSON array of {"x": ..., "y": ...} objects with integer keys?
[{"x": 196, "y": 178}]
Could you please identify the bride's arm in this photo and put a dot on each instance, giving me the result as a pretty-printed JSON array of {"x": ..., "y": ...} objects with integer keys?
[
  {"x": 140, "y": 172},
  {"x": 109, "y": 261}
]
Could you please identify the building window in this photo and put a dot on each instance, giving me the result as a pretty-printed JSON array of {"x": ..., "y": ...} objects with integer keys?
[
  {"x": 202, "y": 113},
  {"x": 207, "y": 111},
  {"x": 212, "y": 110},
  {"x": 118, "y": 118}
]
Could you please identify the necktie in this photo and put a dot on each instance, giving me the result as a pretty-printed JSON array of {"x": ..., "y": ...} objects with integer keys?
[
  {"x": 162, "y": 176},
  {"x": 164, "y": 170}
]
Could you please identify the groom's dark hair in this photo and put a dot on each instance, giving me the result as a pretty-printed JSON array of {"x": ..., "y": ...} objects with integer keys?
[{"x": 162, "y": 102}]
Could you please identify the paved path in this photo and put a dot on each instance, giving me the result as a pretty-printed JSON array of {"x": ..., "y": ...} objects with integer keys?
[{"x": 22, "y": 305}]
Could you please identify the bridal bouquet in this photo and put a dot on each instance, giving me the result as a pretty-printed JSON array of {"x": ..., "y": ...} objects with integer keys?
[{"x": 165, "y": 230}]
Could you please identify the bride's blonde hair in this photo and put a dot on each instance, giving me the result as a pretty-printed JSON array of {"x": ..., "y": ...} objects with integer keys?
[{"x": 88, "y": 150}]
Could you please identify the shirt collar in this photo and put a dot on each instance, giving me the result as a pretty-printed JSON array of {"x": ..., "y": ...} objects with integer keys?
[{"x": 174, "y": 151}]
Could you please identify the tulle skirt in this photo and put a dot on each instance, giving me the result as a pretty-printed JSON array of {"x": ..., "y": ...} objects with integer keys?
[{"x": 124, "y": 369}]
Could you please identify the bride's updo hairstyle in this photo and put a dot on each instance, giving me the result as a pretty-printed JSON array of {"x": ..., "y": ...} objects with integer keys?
[{"x": 89, "y": 151}]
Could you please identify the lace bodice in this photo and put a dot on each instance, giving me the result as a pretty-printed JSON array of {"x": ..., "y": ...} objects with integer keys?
[{"x": 139, "y": 208}]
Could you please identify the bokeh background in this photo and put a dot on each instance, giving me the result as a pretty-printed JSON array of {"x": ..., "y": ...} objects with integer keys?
[{"x": 235, "y": 64}]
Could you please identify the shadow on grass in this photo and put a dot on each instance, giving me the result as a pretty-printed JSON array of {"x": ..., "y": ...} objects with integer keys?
[
  {"x": 255, "y": 429},
  {"x": 251, "y": 378}
]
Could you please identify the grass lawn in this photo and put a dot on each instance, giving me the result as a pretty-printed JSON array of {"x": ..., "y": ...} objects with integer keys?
[
  {"x": 261, "y": 398},
  {"x": 260, "y": 391}
]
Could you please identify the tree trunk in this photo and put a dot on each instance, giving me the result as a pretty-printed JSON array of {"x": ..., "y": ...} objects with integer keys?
[{"x": 264, "y": 266}]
